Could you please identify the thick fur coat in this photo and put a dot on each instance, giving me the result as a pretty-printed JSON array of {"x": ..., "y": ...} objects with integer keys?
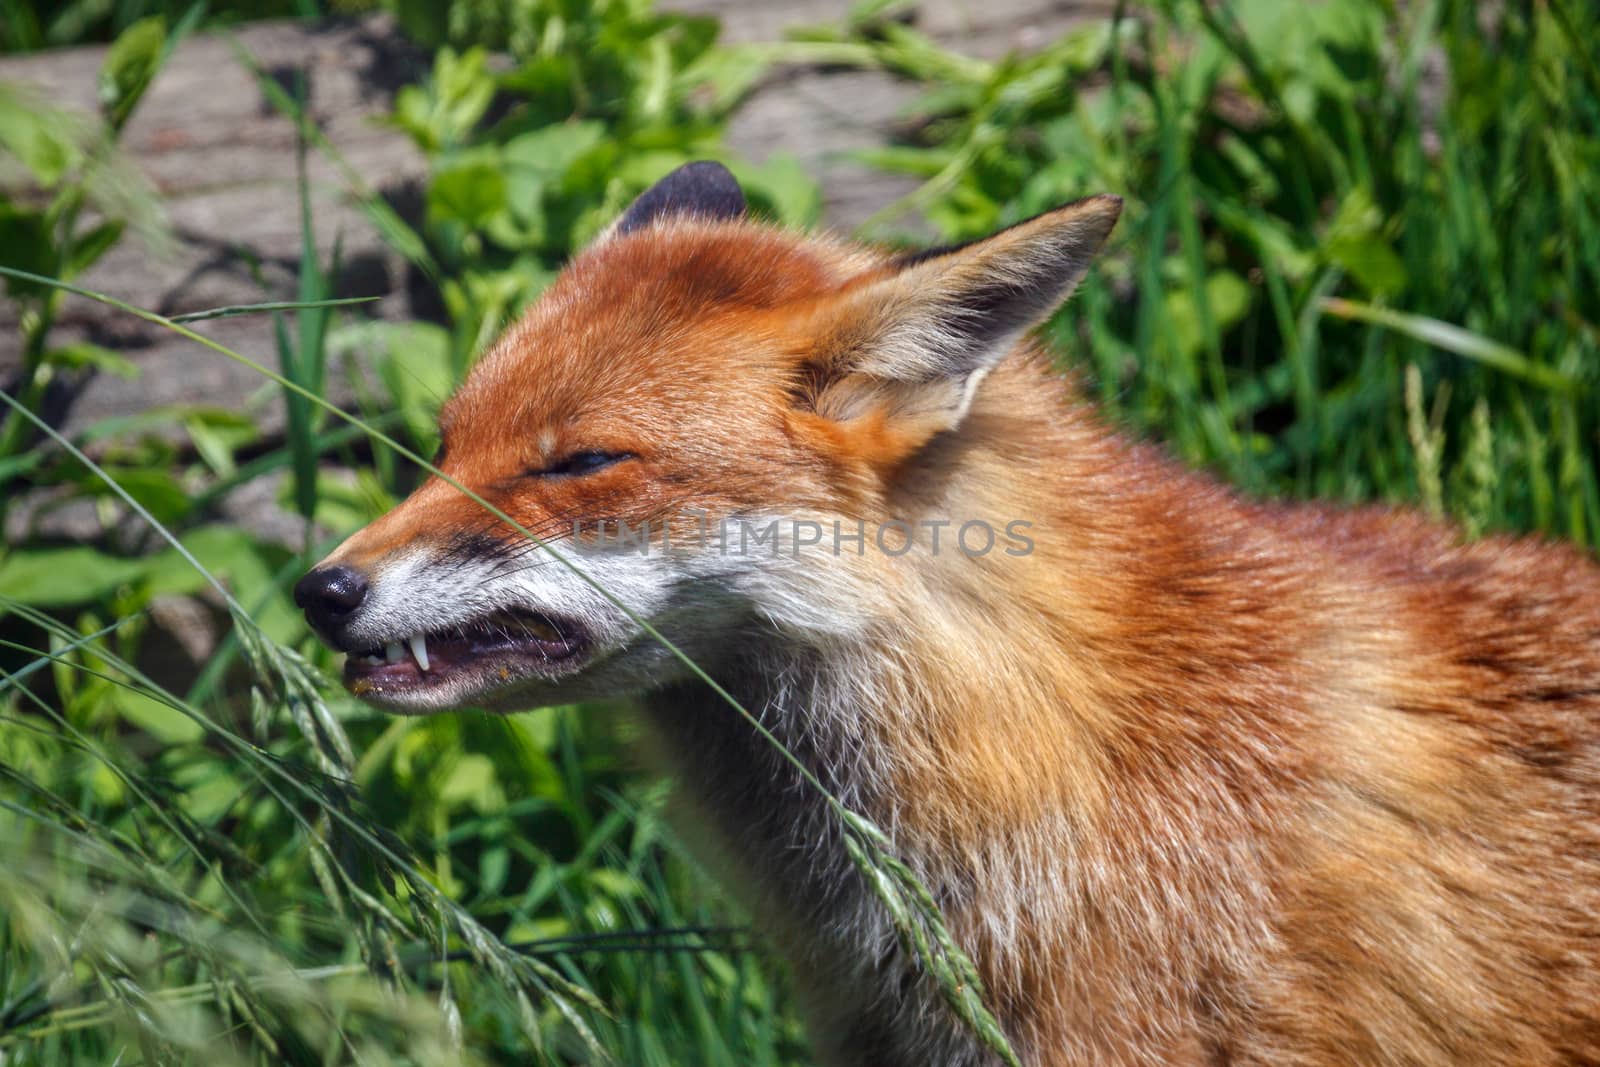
[{"x": 1196, "y": 779}]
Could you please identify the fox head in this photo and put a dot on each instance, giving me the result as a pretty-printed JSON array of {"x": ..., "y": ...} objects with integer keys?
[{"x": 690, "y": 370}]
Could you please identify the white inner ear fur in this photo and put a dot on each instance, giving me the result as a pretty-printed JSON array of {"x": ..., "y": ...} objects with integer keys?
[
  {"x": 858, "y": 395},
  {"x": 935, "y": 328}
]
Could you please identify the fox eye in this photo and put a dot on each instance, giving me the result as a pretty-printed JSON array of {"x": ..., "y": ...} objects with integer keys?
[{"x": 586, "y": 461}]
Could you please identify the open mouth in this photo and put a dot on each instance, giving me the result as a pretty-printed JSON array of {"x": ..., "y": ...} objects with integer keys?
[{"x": 496, "y": 648}]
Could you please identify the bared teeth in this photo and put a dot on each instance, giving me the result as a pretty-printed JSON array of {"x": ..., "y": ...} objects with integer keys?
[{"x": 394, "y": 652}]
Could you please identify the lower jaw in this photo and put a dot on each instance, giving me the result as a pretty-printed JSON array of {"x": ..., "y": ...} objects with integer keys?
[{"x": 403, "y": 686}]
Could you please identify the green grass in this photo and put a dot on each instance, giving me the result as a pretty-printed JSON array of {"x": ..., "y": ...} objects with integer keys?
[{"x": 1348, "y": 269}]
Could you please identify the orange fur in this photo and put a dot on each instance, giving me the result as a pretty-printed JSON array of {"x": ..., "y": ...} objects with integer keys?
[{"x": 1199, "y": 780}]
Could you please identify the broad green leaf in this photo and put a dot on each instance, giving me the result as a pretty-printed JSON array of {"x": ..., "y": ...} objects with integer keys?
[
  {"x": 216, "y": 439},
  {"x": 551, "y": 150},
  {"x": 1356, "y": 241},
  {"x": 25, "y": 244},
  {"x": 468, "y": 193},
  {"x": 443, "y": 112},
  {"x": 88, "y": 247},
  {"x": 1452, "y": 338},
  {"x": 471, "y": 780},
  {"x": 1228, "y": 298},
  {"x": 157, "y": 489},
  {"x": 1370, "y": 260},
  {"x": 719, "y": 79},
  {"x": 244, "y": 566},
  {"x": 225, "y": 551},
  {"x": 81, "y": 355},
  {"x": 45, "y": 140},
  {"x": 130, "y": 63},
  {"x": 783, "y": 185},
  {"x": 413, "y": 362}
]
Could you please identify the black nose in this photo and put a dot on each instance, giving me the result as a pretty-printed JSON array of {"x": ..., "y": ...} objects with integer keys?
[{"x": 330, "y": 595}]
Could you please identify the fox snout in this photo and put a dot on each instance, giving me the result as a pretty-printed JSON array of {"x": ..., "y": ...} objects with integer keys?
[
  {"x": 330, "y": 596},
  {"x": 428, "y": 630}
]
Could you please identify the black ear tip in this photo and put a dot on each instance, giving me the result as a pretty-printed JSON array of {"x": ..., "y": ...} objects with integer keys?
[
  {"x": 707, "y": 170},
  {"x": 704, "y": 189},
  {"x": 707, "y": 185}
]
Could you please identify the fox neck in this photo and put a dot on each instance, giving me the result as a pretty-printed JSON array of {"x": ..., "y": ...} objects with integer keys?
[
  {"x": 887, "y": 733},
  {"x": 773, "y": 837}
]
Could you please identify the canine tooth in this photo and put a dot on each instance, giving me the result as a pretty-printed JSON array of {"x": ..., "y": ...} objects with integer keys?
[
  {"x": 392, "y": 651},
  {"x": 419, "y": 649}
]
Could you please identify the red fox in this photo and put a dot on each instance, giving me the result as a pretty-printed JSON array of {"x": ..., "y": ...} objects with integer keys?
[{"x": 1195, "y": 779}]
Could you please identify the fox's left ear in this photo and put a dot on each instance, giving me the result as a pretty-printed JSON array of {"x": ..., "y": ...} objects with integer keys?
[
  {"x": 906, "y": 348},
  {"x": 704, "y": 189}
]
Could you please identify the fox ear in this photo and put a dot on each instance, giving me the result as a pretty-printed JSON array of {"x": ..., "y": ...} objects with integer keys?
[
  {"x": 912, "y": 344},
  {"x": 704, "y": 190}
]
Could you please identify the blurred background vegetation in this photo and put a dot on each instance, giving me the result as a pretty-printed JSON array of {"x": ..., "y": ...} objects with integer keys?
[{"x": 1360, "y": 260}]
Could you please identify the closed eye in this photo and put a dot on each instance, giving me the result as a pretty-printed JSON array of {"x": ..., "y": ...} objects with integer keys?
[{"x": 576, "y": 464}]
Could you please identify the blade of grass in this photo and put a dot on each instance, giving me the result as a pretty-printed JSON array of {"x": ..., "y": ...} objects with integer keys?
[
  {"x": 1453, "y": 339},
  {"x": 233, "y": 310}
]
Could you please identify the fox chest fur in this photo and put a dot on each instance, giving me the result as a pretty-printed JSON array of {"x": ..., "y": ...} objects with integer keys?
[{"x": 1194, "y": 779}]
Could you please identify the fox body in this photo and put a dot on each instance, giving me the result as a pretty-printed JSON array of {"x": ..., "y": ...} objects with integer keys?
[{"x": 1194, "y": 779}]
